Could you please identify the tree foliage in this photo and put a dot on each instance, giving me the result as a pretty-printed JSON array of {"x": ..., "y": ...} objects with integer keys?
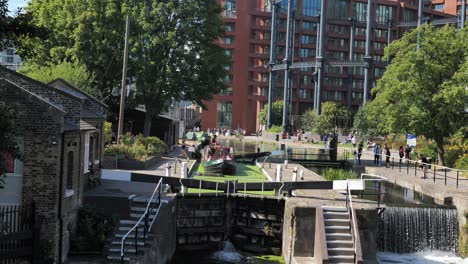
[
  {"x": 333, "y": 116},
  {"x": 276, "y": 114},
  {"x": 423, "y": 92},
  {"x": 173, "y": 50},
  {"x": 174, "y": 53},
  {"x": 7, "y": 138},
  {"x": 73, "y": 72}
]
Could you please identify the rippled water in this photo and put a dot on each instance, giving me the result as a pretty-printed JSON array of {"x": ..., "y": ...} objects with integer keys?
[{"x": 434, "y": 257}]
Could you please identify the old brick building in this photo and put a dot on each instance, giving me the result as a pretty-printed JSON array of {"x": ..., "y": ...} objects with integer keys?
[{"x": 60, "y": 135}]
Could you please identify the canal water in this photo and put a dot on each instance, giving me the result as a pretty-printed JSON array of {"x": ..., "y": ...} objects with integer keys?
[{"x": 227, "y": 255}]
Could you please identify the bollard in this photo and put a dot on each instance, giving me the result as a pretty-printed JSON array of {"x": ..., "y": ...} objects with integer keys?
[
  {"x": 286, "y": 164},
  {"x": 301, "y": 175},
  {"x": 278, "y": 173},
  {"x": 168, "y": 170},
  {"x": 184, "y": 175},
  {"x": 294, "y": 179}
]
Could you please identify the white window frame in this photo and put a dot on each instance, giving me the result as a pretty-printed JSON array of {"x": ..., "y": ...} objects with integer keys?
[{"x": 86, "y": 153}]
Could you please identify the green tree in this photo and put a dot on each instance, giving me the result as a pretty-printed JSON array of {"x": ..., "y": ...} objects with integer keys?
[
  {"x": 332, "y": 116},
  {"x": 173, "y": 49},
  {"x": 73, "y": 72},
  {"x": 276, "y": 114},
  {"x": 79, "y": 32},
  {"x": 174, "y": 53},
  {"x": 7, "y": 138},
  {"x": 422, "y": 92}
]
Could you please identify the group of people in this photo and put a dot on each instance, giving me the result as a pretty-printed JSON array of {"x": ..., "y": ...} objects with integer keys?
[{"x": 225, "y": 131}]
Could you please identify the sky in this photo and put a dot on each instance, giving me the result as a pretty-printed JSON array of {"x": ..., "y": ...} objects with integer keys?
[{"x": 14, "y": 4}]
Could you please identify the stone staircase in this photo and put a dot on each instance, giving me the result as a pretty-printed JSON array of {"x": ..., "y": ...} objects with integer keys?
[
  {"x": 338, "y": 233},
  {"x": 114, "y": 246}
]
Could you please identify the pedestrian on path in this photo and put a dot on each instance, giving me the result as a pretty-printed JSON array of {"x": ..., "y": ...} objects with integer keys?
[
  {"x": 359, "y": 154},
  {"x": 407, "y": 152},
  {"x": 387, "y": 156},
  {"x": 424, "y": 165},
  {"x": 401, "y": 153},
  {"x": 376, "y": 154},
  {"x": 353, "y": 141}
]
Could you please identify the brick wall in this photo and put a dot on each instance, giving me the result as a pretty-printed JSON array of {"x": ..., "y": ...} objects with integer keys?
[{"x": 41, "y": 127}]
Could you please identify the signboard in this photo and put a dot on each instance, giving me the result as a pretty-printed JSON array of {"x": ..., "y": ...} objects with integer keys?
[{"x": 411, "y": 140}]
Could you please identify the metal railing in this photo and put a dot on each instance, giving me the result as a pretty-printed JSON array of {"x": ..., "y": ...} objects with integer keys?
[
  {"x": 145, "y": 217},
  {"x": 428, "y": 171},
  {"x": 352, "y": 219}
]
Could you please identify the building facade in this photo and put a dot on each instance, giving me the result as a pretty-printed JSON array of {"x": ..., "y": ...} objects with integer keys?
[
  {"x": 452, "y": 7},
  {"x": 247, "y": 42},
  {"x": 60, "y": 136},
  {"x": 9, "y": 59}
]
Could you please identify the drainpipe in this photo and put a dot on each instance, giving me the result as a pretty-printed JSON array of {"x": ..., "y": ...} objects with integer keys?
[
  {"x": 62, "y": 152},
  {"x": 463, "y": 13},
  {"x": 367, "y": 56}
]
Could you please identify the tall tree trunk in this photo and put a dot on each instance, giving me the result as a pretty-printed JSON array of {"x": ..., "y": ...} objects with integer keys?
[
  {"x": 440, "y": 151},
  {"x": 147, "y": 127}
]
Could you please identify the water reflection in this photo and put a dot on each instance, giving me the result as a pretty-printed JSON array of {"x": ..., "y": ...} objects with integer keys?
[{"x": 392, "y": 194}]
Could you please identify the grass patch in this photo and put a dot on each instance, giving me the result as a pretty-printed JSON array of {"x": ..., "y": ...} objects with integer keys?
[
  {"x": 338, "y": 174},
  {"x": 244, "y": 173},
  {"x": 266, "y": 259}
]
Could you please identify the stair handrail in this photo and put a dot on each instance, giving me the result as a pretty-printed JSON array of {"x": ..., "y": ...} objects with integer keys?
[
  {"x": 144, "y": 217},
  {"x": 352, "y": 219}
]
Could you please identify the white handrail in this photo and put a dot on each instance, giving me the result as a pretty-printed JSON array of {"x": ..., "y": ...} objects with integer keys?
[
  {"x": 352, "y": 216},
  {"x": 122, "y": 246}
]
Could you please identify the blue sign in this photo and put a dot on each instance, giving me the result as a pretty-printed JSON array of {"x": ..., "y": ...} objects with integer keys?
[{"x": 411, "y": 140}]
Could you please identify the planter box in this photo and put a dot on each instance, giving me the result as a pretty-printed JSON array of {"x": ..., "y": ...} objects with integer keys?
[
  {"x": 122, "y": 162},
  {"x": 129, "y": 164}
]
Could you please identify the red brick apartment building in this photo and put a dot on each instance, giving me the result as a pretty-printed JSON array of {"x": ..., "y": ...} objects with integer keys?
[
  {"x": 451, "y": 7},
  {"x": 247, "y": 41}
]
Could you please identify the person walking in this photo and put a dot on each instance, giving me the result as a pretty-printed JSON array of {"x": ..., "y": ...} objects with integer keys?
[
  {"x": 401, "y": 153},
  {"x": 407, "y": 152},
  {"x": 353, "y": 141},
  {"x": 379, "y": 155},
  {"x": 387, "y": 156},
  {"x": 376, "y": 154},
  {"x": 424, "y": 165},
  {"x": 359, "y": 154}
]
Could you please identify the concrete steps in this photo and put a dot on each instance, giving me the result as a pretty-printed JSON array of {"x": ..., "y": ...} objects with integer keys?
[
  {"x": 138, "y": 208},
  {"x": 338, "y": 233}
]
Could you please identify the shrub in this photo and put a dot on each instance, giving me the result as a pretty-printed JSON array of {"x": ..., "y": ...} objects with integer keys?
[
  {"x": 137, "y": 147},
  {"x": 115, "y": 150},
  {"x": 92, "y": 230},
  {"x": 428, "y": 150},
  {"x": 452, "y": 154},
  {"x": 107, "y": 132},
  {"x": 339, "y": 174},
  {"x": 275, "y": 129}
]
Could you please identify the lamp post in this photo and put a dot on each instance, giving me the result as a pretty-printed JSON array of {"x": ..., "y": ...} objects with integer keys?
[
  {"x": 320, "y": 56},
  {"x": 123, "y": 91},
  {"x": 272, "y": 77}
]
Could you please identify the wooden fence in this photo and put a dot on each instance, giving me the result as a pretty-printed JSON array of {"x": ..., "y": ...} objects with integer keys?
[{"x": 16, "y": 233}]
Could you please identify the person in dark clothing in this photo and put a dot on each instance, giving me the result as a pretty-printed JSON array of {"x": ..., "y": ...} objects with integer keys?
[
  {"x": 387, "y": 155},
  {"x": 359, "y": 153},
  {"x": 407, "y": 152},
  {"x": 401, "y": 153},
  {"x": 424, "y": 165}
]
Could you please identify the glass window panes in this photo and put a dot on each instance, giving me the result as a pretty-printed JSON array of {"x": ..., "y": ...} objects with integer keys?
[{"x": 224, "y": 110}]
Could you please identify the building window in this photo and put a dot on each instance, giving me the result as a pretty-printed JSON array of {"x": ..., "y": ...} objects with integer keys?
[
  {"x": 360, "y": 11},
  {"x": 229, "y": 52},
  {"x": 228, "y": 40},
  {"x": 338, "y": 8},
  {"x": 70, "y": 160},
  {"x": 229, "y": 27},
  {"x": 383, "y": 14},
  {"x": 226, "y": 92},
  {"x": 10, "y": 52},
  {"x": 311, "y": 7},
  {"x": 307, "y": 53},
  {"x": 224, "y": 114},
  {"x": 439, "y": 7},
  {"x": 230, "y": 8}
]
